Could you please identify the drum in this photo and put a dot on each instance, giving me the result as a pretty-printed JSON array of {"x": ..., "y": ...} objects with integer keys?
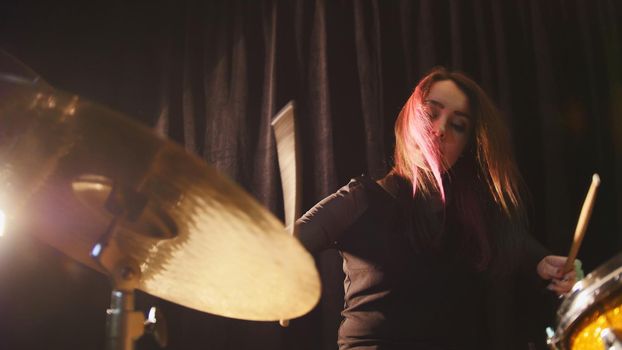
[{"x": 591, "y": 316}]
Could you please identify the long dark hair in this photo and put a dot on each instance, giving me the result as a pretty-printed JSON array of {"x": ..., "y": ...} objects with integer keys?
[{"x": 485, "y": 173}]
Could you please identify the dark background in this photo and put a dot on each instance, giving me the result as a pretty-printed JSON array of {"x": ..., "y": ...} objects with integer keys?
[{"x": 212, "y": 74}]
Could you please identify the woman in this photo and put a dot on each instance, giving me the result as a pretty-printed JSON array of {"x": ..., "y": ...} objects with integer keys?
[{"x": 430, "y": 250}]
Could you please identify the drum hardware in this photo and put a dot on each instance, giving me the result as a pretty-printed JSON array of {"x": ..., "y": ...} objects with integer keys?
[
  {"x": 111, "y": 194},
  {"x": 155, "y": 324},
  {"x": 590, "y": 317},
  {"x": 124, "y": 325},
  {"x": 610, "y": 340}
]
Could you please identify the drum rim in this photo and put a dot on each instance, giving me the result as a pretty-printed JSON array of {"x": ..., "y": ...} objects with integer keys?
[{"x": 586, "y": 294}]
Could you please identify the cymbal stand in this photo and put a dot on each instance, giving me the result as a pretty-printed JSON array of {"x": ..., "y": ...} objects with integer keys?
[{"x": 124, "y": 325}]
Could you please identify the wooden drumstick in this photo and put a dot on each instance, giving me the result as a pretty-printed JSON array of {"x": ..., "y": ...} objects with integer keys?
[
  {"x": 288, "y": 153},
  {"x": 584, "y": 218}
]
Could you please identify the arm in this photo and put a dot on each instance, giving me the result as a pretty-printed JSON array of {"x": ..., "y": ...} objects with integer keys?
[
  {"x": 328, "y": 220},
  {"x": 548, "y": 267},
  {"x": 532, "y": 252}
]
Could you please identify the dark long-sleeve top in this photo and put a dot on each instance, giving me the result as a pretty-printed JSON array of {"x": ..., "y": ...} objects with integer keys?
[{"x": 400, "y": 298}]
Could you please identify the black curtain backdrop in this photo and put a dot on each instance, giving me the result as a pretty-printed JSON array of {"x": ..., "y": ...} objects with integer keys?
[{"x": 212, "y": 74}]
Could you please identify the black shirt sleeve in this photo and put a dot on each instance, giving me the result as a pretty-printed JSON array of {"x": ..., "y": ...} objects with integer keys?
[
  {"x": 324, "y": 224},
  {"x": 532, "y": 253}
]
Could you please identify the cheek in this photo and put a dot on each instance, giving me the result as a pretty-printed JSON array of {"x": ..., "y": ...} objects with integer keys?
[
  {"x": 454, "y": 147},
  {"x": 463, "y": 140},
  {"x": 458, "y": 141}
]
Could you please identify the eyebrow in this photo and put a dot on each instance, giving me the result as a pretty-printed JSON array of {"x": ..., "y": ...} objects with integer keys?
[{"x": 440, "y": 105}]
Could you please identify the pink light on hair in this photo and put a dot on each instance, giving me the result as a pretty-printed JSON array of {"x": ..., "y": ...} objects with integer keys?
[
  {"x": 417, "y": 155},
  {"x": 419, "y": 159}
]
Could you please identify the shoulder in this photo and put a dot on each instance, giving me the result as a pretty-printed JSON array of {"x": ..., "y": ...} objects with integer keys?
[
  {"x": 354, "y": 197},
  {"x": 327, "y": 220},
  {"x": 383, "y": 191},
  {"x": 350, "y": 201}
]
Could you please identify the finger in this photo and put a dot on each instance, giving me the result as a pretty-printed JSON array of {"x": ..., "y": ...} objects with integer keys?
[
  {"x": 558, "y": 289},
  {"x": 562, "y": 286},
  {"x": 551, "y": 271},
  {"x": 563, "y": 283},
  {"x": 572, "y": 275},
  {"x": 553, "y": 288},
  {"x": 556, "y": 260}
]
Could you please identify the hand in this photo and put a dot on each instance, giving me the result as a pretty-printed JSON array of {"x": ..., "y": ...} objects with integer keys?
[{"x": 550, "y": 268}]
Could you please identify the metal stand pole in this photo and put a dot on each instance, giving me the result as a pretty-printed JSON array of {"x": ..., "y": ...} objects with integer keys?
[{"x": 123, "y": 324}]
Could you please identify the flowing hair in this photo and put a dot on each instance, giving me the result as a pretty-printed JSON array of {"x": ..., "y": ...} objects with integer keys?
[
  {"x": 417, "y": 157},
  {"x": 485, "y": 173}
]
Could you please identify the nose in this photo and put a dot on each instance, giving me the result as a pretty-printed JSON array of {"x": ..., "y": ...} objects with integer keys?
[{"x": 439, "y": 128}]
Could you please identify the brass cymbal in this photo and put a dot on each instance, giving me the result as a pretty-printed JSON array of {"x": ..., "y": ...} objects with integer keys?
[{"x": 67, "y": 164}]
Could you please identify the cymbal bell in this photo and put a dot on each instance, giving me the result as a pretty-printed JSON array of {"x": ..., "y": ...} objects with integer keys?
[{"x": 200, "y": 241}]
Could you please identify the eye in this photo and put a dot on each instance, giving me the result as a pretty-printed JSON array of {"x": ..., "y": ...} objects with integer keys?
[
  {"x": 460, "y": 125},
  {"x": 432, "y": 111}
]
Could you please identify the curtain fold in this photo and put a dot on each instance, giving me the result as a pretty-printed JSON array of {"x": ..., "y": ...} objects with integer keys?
[
  {"x": 265, "y": 172},
  {"x": 211, "y": 75},
  {"x": 369, "y": 63},
  {"x": 551, "y": 68}
]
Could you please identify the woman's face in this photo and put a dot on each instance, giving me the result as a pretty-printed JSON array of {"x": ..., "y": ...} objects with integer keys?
[{"x": 451, "y": 119}]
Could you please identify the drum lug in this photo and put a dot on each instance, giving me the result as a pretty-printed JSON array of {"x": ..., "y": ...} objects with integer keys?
[
  {"x": 610, "y": 340},
  {"x": 155, "y": 324},
  {"x": 550, "y": 339}
]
